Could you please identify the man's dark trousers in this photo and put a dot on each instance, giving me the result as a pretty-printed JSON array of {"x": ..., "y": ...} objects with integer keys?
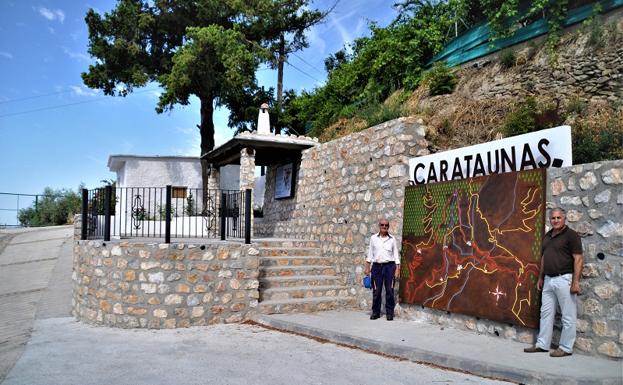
[{"x": 383, "y": 275}]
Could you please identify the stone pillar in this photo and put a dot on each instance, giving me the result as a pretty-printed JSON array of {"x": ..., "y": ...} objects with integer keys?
[
  {"x": 247, "y": 174},
  {"x": 213, "y": 200}
]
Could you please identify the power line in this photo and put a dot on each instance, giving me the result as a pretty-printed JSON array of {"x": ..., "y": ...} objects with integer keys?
[
  {"x": 64, "y": 105},
  {"x": 300, "y": 70},
  {"x": 33, "y": 97},
  {"x": 306, "y": 62}
]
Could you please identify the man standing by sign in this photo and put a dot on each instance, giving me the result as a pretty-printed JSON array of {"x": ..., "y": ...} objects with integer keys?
[
  {"x": 559, "y": 278},
  {"x": 385, "y": 260}
]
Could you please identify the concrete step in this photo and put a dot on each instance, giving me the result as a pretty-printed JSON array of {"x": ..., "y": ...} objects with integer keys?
[
  {"x": 289, "y": 251},
  {"x": 306, "y": 305},
  {"x": 299, "y": 280},
  {"x": 286, "y": 243},
  {"x": 290, "y": 271},
  {"x": 284, "y": 293},
  {"x": 294, "y": 261}
]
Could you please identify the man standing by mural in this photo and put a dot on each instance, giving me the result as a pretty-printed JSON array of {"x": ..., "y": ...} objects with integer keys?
[
  {"x": 559, "y": 278},
  {"x": 385, "y": 260}
]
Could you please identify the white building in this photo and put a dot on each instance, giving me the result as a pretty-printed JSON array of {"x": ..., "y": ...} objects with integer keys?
[{"x": 160, "y": 171}]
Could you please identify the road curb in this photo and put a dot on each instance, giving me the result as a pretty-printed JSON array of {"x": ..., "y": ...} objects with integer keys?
[{"x": 474, "y": 367}]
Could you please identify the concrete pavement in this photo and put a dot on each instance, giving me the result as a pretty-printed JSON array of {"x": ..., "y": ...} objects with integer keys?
[
  {"x": 450, "y": 348},
  {"x": 63, "y": 351},
  {"x": 35, "y": 289},
  {"x": 28, "y": 258}
]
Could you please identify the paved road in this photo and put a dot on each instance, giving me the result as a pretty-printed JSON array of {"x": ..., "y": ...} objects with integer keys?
[
  {"x": 63, "y": 351},
  {"x": 28, "y": 259},
  {"x": 35, "y": 297}
]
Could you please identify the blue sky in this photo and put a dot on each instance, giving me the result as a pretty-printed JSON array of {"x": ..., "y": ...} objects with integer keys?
[{"x": 55, "y": 132}]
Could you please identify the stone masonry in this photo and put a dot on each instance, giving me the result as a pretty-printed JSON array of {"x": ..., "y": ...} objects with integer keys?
[
  {"x": 150, "y": 285},
  {"x": 592, "y": 195},
  {"x": 581, "y": 71},
  {"x": 343, "y": 187}
]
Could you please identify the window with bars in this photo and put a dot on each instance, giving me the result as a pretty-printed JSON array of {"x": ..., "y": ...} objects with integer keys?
[{"x": 179, "y": 192}]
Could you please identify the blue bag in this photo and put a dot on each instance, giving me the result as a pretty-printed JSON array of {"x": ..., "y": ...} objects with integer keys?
[{"x": 367, "y": 282}]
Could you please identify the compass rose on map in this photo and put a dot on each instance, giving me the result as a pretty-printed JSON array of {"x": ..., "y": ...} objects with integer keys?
[{"x": 497, "y": 293}]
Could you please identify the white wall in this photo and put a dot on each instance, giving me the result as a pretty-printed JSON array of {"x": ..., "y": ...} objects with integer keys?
[
  {"x": 230, "y": 177},
  {"x": 159, "y": 173}
]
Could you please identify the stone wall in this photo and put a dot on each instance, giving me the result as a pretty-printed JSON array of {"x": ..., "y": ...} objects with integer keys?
[
  {"x": 582, "y": 70},
  {"x": 343, "y": 188},
  {"x": 592, "y": 195},
  {"x": 150, "y": 285}
]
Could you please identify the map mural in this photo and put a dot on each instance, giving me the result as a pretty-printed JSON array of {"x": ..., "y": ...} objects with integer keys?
[{"x": 474, "y": 246}]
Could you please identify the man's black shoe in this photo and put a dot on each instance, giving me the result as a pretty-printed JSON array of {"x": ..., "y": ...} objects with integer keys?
[
  {"x": 390, "y": 317},
  {"x": 375, "y": 316}
]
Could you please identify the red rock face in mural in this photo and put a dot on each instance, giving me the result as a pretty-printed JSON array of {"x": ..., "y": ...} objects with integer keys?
[{"x": 474, "y": 246}]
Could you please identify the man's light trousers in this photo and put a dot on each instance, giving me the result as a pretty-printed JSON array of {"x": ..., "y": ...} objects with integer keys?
[{"x": 556, "y": 292}]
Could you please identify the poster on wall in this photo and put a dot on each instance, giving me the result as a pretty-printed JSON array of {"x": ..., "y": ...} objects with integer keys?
[
  {"x": 284, "y": 181},
  {"x": 474, "y": 246}
]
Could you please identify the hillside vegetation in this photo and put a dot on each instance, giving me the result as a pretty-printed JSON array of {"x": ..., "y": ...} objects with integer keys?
[{"x": 384, "y": 76}]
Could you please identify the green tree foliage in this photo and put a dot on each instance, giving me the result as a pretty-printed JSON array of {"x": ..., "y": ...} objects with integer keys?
[
  {"x": 209, "y": 49},
  {"x": 54, "y": 207},
  {"x": 373, "y": 67}
]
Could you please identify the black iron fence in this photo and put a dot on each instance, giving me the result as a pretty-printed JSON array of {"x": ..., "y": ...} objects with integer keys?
[{"x": 165, "y": 212}]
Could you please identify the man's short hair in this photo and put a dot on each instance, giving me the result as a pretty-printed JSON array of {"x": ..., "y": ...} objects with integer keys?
[{"x": 560, "y": 210}]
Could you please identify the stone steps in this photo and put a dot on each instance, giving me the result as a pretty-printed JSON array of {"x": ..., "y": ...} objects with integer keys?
[
  {"x": 291, "y": 271},
  {"x": 296, "y": 277},
  {"x": 288, "y": 251},
  {"x": 294, "y": 261},
  {"x": 306, "y": 305},
  {"x": 268, "y": 243},
  {"x": 297, "y": 292},
  {"x": 299, "y": 281}
]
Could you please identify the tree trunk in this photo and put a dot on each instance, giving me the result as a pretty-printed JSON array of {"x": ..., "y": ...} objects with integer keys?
[
  {"x": 206, "y": 131},
  {"x": 282, "y": 59}
]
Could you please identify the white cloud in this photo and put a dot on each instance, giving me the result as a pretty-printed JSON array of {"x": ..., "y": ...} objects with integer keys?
[
  {"x": 82, "y": 91},
  {"x": 76, "y": 55},
  {"x": 51, "y": 14},
  {"x": 7, "y": 55},
  {"x": 191, "y": 141},
  {"x": 344, "y": 34}
]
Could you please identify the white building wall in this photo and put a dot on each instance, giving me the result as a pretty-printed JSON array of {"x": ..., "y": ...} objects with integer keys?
[{"x": 159, "y": 173}]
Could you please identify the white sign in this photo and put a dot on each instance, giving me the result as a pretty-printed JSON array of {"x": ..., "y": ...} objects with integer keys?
[{"x": 545, "y": 148}]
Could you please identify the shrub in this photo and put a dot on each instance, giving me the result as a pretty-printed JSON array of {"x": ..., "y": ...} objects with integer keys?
[
  {"x": 532, "y": 115},
  {"x": 440, "y": 79},
  {"x": 521, "y": 120},
  {"x": 378, "y": 113},
  {"x": 54, "y": 208},
  {"x": 577, "y": 106},
  {"x": 508, "y": 58},
  {"x": 598, "y": 135}
]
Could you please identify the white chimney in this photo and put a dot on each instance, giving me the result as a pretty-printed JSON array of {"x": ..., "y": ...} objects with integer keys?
[{"x": 263, "y": 120}]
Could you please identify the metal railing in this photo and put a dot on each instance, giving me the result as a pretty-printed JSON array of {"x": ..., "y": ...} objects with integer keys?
[{"x": 165, "y": 212}]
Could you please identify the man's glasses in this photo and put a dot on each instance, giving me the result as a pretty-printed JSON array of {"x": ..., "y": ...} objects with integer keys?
[{"x": 383, "y": 225}]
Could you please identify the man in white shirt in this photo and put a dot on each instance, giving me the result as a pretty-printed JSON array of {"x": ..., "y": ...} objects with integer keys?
[{"x": 385, "y": 260}]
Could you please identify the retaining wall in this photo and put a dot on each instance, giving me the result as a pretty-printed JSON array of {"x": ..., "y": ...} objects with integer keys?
[
  {"x": 344, "y": 186},
  {"x": 156, "y": 285}
]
